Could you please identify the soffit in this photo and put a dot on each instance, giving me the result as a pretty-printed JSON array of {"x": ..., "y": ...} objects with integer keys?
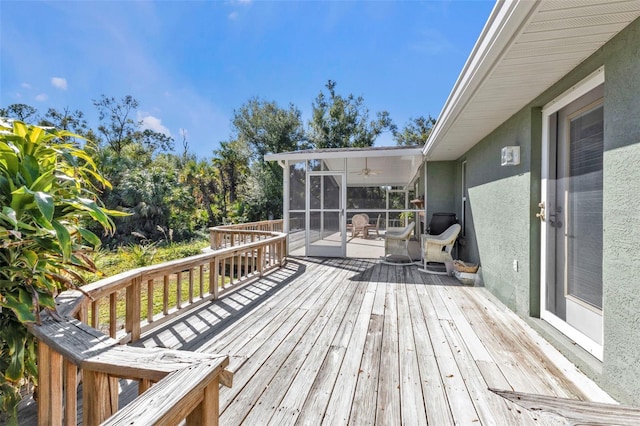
[
  {"x": 391, "y": 166},
  {"x": 528, "y": 46}
]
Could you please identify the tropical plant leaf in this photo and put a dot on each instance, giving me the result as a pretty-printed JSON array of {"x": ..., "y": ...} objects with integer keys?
[
  {"x": 90, "y": 237},
  {"x": 9, "y": 215},
  {"x": 64, "y": 239},
  {"x": 45, "y": 204},
  {"x": 15, "y": 342},
  {"x": 30, "y": 169},
  {"x": 22, "y": 310},
  {"x": 21, "y": 198}
]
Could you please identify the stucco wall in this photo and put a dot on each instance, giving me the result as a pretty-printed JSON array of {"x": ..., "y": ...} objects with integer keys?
[
  {"x": 504, "y": 201},
  {"x": 499, "y": 199},
  {"x": 441, "y": 177},
  {"x": 621, "y": 242}
]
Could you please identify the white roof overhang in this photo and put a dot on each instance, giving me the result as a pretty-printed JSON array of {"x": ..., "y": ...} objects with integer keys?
[
  {"x": 524, "y": 48},
  {"x": 391, "y": 165}
]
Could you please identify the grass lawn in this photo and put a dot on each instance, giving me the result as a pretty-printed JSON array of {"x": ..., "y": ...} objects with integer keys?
[{"x": 131, "y": 257}]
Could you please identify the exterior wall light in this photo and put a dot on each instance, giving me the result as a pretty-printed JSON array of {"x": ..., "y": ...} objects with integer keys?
[{"x": 510, "y": 156}]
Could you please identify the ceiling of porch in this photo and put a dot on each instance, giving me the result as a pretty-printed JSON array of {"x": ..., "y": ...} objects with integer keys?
[
  {"x": 523, "y": 50},
  {"x": 388, "y": 166}
]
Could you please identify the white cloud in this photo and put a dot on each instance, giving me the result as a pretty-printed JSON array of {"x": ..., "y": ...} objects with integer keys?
[
  {"x": 152, "y": 123},
  {"x": 233, "y": 16},
  {"x": 59, "y": 83},
  {"x": 25, "y": 86},
  {"x": 42, "y": 97}
]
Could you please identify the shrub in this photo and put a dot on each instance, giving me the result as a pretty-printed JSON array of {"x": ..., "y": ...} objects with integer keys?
[{"x": 48, "y": 193}]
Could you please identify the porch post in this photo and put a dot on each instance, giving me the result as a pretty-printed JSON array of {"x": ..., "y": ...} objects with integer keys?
[
  {"x": 426, "y": 219},
  {"x": 285, "y": 201}
]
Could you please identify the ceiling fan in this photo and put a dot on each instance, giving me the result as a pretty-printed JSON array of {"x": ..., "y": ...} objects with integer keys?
[{"x": 366, "y": 171}]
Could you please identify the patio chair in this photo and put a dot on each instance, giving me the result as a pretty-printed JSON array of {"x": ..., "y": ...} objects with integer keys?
[
  {"x": 376, "y": 226},
  {"x": 437, "y": 249},
  {"x": 397, "y": 244},
  {"x": 359, "y": 223}
]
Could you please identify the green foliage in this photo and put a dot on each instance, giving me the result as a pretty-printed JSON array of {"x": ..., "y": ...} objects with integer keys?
[
  {"x": 21, "y": 112},
  {"x": 48, "y": 193},
  {"x": 415, "y": 132},
  {"x": 132, "y": 256},
  {"x": 267, "y": 128},
  {"x": 263, "y": 127},
  {"x": 343, "y": 122}
]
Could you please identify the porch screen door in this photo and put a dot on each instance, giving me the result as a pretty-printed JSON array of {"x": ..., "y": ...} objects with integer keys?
[
  {"x": 573, "y": 224},
  {"x": 326, "y": 197}
]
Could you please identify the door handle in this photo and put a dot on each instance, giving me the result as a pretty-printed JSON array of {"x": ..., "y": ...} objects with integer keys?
[
  {"x": 540, "y": 215},
  {"x": 554, "y": 222}
]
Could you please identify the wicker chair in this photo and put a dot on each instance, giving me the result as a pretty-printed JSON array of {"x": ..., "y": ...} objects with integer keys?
[
  {"x": 359, "y": 225},
  {"x": 397, "y": 244},
  {"x": 375, "y": 227},
  {"x": 437, "y": 248}
]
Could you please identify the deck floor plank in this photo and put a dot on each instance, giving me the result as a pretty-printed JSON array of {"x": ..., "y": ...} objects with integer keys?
[
  {"x": 388, "y": 409},
  {"x": 462, "y": 408},
  {"x": 354, "y": 341},
  {"x": 314, "y": 409},
  {"x": 413, "y": 406},
  {"x": 264, "y": 356},
  {"x": 301, "y": 366},
  {"x": 436, "y": 403}
]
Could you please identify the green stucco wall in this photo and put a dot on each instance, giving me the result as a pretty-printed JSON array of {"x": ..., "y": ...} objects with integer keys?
[
  {"x": 621, "y": 242},
  {"x": 499, "y": 199},
  {"x": 441, "y": 177},
  {"x": 504, "y": 202}
]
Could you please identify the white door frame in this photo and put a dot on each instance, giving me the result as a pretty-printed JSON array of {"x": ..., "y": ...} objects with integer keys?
[
  {"x": 328, "y": 251},
  {"x": 582, "y": 88}
]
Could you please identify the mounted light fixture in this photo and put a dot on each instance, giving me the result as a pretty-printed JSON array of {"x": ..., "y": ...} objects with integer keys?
[{"x": 510, "y": 156}]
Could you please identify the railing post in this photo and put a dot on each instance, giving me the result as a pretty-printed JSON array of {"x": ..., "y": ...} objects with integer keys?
[
  {"x": 99, "y": 397},
  {"x": 208, "y": 411},
  {"x": 214, "y": 269},
  {"x": 150, "y": 301},
  {"x": 113, "y": 314},
  {"x": 165, "y": 294},
  {"x": 179, "y": 289},
  {"x": 132, "y": 321},
  {"x": 44, "y": 385},
  {"x": 260, "y": 260},
  {"x": 70, "y": 394}
]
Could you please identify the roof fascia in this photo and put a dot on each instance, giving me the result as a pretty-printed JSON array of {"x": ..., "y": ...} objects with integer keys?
[
  {"x": 320, "y": 155},
  {"x": 506, "y": 21}
]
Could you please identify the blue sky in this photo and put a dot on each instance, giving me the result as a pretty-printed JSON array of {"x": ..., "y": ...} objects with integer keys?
[{"x": 191, "y": 63}]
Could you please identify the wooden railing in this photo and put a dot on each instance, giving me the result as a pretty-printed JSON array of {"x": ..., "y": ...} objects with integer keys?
[
  {"x": 78, "y": 339},
  {"x": 232, "y": 235}
]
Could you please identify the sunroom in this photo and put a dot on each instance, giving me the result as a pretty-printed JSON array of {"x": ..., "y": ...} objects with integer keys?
[{"x": 325, "y": 188}]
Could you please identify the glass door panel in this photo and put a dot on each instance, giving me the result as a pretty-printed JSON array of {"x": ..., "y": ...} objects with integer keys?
[
  {"x": 325, "y": 227},
  {"x": 574, "y": 224}
]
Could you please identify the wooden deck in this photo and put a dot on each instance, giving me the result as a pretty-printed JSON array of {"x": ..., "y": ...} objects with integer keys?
[{"x": 354, "y": 341}]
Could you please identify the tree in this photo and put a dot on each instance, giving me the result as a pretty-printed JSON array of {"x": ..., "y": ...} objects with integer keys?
[
  {"x": 21, "y": 112},
  {"x": 203, "y": 180},
  {"x": 266, "y": 128},
  {"x": 117, "y": 126},
  {"x": 343, "y": 122},
  {"x": 232, "y": 160},
  {"x": 415, "y": 132},
  {"x": 47, "y": 194},
  {"x": 73, "y": 121}
]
